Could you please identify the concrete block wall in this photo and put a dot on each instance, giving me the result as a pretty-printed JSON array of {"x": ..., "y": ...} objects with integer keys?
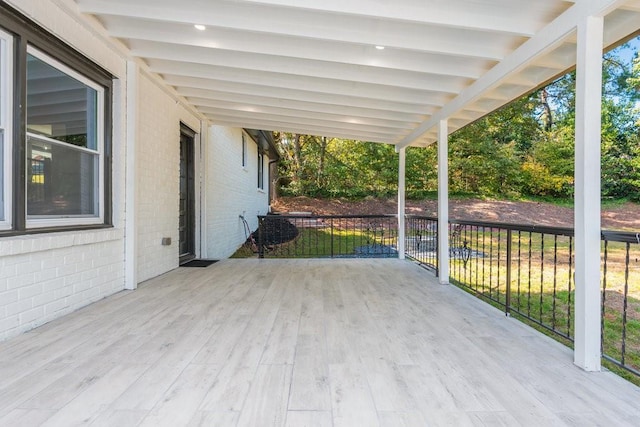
[
  {"x": 231, "y": 190},
  {"x": 158, "y": 160}
]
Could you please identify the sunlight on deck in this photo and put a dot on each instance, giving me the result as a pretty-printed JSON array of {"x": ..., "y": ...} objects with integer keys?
[{"x": 353, "y": 342}]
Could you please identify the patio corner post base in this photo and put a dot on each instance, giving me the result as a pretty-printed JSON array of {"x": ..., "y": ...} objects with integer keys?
[
  {"x": 587, "y": 350},
  {"x": 443, "y": 202}
]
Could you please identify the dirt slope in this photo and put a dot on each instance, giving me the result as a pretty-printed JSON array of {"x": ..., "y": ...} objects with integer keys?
[{"x": 623, "y": 217}]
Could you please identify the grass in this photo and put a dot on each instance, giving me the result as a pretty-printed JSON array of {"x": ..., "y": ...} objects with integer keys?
[
  {"x": 545, "y": 295},
  {"x": 323, "y": 242},
  {"x": 541, "y": 289}
]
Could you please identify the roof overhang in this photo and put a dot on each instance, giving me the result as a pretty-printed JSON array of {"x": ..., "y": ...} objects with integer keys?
[{"x": 318, "y": 67}]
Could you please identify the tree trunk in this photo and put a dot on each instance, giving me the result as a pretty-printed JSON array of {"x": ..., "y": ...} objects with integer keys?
[
  {"x": 548, "y": 114},
  {"x": 323, "y": 151},
  {"x": 297, "y": 161}
]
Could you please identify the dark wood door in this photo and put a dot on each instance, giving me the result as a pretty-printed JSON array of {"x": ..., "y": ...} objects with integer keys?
[{"x": 187, "y": 194}]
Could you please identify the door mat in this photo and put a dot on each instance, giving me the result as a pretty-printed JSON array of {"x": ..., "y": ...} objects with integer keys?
[{"x": 199, "y": 263}]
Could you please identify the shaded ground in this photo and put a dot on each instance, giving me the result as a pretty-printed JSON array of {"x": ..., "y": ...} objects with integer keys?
[{"x": 623, "y": 217}]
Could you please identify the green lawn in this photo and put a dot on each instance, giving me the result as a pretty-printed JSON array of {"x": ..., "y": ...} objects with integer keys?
[{"x": 541, "y": 286}]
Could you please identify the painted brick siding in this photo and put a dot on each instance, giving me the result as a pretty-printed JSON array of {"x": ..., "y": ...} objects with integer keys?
[
  {"x": 231, "y": 190},
  {"x": 158, "y": 160},
  {"x": 44, "y": 276}
]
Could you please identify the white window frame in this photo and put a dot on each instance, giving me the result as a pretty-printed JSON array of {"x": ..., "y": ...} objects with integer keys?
[
  {"x": 71, "y": 220},
  {"x": 6, "y": 125}
]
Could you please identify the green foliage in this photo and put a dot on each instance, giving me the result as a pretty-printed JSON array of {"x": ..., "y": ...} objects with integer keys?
[
  {"x": 525, "y": 149},
  {"x": 548, "y": 169},
  {"x": 421, "y": 173}
]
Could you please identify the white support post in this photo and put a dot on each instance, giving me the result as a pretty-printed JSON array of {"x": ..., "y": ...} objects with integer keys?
[
  {"x": 202, "y": 186},
  {"x": 401, "y": 201},
  {"x": 443, "y": 202},
  {"x": 130, "y": 250},
  {"x": 587, "y": 353}
]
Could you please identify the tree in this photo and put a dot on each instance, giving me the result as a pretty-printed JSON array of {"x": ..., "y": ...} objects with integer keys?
[{"x": 524, "y": 148}]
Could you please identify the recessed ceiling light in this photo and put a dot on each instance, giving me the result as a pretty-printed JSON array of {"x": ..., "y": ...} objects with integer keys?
[
  {"x": 200, "y": 27},
  {"x": 380, "y": 47}
]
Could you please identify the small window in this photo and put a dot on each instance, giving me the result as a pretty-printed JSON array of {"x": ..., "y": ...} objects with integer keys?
[
  {"x": 244, "y": 151},
  {"x": 64, "y": 144},
  {"x": 6, "y": 120},
  {"x": 260, "y": 169}
]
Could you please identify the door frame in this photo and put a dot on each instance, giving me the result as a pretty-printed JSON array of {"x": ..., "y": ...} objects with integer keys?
[{"x": 190, "y": 136}]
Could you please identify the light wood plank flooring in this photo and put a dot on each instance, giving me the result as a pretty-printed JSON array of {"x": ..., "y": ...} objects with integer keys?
[{"x": 300, "y": 343}]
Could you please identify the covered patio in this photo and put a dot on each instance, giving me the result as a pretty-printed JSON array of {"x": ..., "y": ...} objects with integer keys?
[{"x": 315, "y": 342}]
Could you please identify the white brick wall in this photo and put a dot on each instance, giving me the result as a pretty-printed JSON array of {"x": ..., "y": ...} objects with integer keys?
[
  {"x": 44, "y": 276},
  {"x": 231, "y": 190},
  {"x": 158, "y": 160}
]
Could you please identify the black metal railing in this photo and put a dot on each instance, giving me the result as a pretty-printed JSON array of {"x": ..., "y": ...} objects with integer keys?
[
  {"x": 621, "y": 299},
  {"x": 421, "y": 241},
  {"x": 529, "y": 272},
  {"x": 312, "y": 236}
]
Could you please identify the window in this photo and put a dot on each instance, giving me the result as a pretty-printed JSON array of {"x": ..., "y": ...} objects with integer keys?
[
  {"x": 6, "y": 95},
  {"x": 62, "y": 177},
  {"x": 260, "y": 169},
  {"x": 63, "y": 145},
  {"x": 244, "y": 150}
]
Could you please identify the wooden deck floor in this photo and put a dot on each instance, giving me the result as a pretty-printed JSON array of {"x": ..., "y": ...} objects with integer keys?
[{"x": 300, "y": 343}]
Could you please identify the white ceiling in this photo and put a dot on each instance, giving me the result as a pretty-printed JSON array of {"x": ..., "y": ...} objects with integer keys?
[{"x": 312, "y": 66}]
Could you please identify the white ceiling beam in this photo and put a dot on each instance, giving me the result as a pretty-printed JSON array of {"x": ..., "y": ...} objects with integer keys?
[
  {"x": 54, "y": 118},
  {"x": 328, "y": 25},
  {"x": 302, "y": 121},
  {"x": 599, "y": 7},
  {"x": 330, "y": 74},
  {"x": 275, "y": 126},
  {"x": 206, "y": 105},
  {"x": 631, "y": 6},
  {"x": 449, "y": 55},
  {"x": 508, "y": 17},
  {"x": 327, "y": 87},
  {"x": 620, "y": 24},
  {"x": 53, "y": 85},
  {"x": 37, "y": 108},
  {"x": 548, "y": 37},
  {"x": 72, "y": 95},
  {"x": 219, "y": 98},
  {"x": 262, "y": 95}
]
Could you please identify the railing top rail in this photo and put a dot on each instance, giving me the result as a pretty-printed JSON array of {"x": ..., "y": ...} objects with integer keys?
[
  {"x": 505, "y": 226},
  {"x": 311, "y": 216},
  {"x": 621, "y": 236},
  {"x": 615, "y": 236}
]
